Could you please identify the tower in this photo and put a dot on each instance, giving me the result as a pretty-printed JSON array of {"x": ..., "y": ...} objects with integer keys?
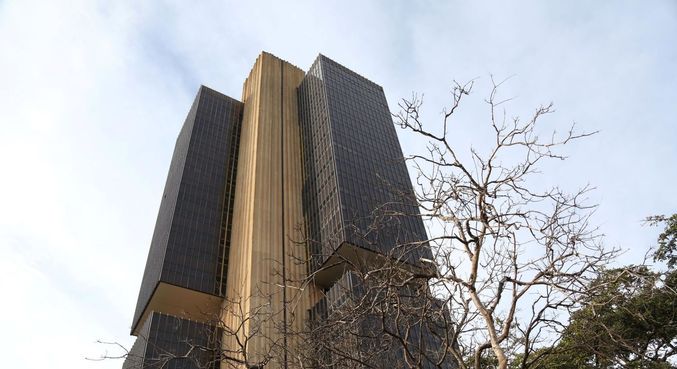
[
  {"x": 184, "y": 278},
  {"x": 267, "y": 202}
]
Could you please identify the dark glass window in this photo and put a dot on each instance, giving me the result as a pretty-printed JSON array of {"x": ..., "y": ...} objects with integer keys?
[
  {"x": 190, "y": 242},
  {"x": 357, "y": 188}
]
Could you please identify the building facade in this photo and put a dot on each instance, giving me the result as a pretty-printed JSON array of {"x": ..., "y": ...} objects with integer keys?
[
  {"x": 357, "y": 192},
  {"x": 269, "y": 203}
]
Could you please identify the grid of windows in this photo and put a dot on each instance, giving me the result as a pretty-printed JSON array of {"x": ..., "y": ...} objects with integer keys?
[
  {"x": 187, "y": 248},
  {"x": 422, "y": 318},
  {"x": 166, "y": 340},
  {"x": 357, "y": 188},
  {"x": 227, "y": 208},
  {"x": 320, "y": 188}
]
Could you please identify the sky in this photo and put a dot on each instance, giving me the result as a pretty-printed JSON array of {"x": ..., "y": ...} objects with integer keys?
[{"x": 93, "y": 94}]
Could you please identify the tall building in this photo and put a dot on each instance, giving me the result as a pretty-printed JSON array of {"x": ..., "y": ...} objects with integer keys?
[{"x": 267, "y": 202}]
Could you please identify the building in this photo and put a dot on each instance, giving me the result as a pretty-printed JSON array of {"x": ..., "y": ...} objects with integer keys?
[{"x": 270, "y": 201}]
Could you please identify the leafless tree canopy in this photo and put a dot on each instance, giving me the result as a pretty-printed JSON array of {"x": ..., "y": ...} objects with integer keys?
[{"x": 511, "y": 259}]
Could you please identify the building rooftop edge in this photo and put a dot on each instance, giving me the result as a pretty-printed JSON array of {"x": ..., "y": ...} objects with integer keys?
[
  {"x": 203, "y": 87},
  {"x": 321, "y": 56}
]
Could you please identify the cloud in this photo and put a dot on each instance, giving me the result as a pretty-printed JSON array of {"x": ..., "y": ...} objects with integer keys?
[{"x": 93, "y": 95}]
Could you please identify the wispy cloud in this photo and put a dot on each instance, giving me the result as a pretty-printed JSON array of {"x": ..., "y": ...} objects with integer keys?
[{"x": 92, "y": 96}]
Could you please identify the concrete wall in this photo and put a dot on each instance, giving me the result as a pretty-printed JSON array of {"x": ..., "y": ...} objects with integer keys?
[{"x": 267, "y": 254}]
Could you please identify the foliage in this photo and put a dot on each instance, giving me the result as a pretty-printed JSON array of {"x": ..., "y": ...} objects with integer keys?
[
  {"x": 630, "y": 321},
  {"x": 667, "y": 240}
]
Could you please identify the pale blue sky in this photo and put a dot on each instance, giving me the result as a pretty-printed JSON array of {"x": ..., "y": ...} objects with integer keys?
[{"x": 92, "y": 96}]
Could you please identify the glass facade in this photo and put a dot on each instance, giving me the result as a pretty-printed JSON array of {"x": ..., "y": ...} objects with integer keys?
[
  {"x": 408, "y": 312},
  {"x": 189, "y": 246},
  {"x": 357, "y": 189},
  {"x": 320, "y": 186},
  {"x": 169, "y": 342}
]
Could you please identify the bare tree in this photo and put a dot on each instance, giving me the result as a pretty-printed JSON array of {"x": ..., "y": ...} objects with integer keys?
[
  {"x": 512, "y": 261},
  {"x": 379, "y": 316}
]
